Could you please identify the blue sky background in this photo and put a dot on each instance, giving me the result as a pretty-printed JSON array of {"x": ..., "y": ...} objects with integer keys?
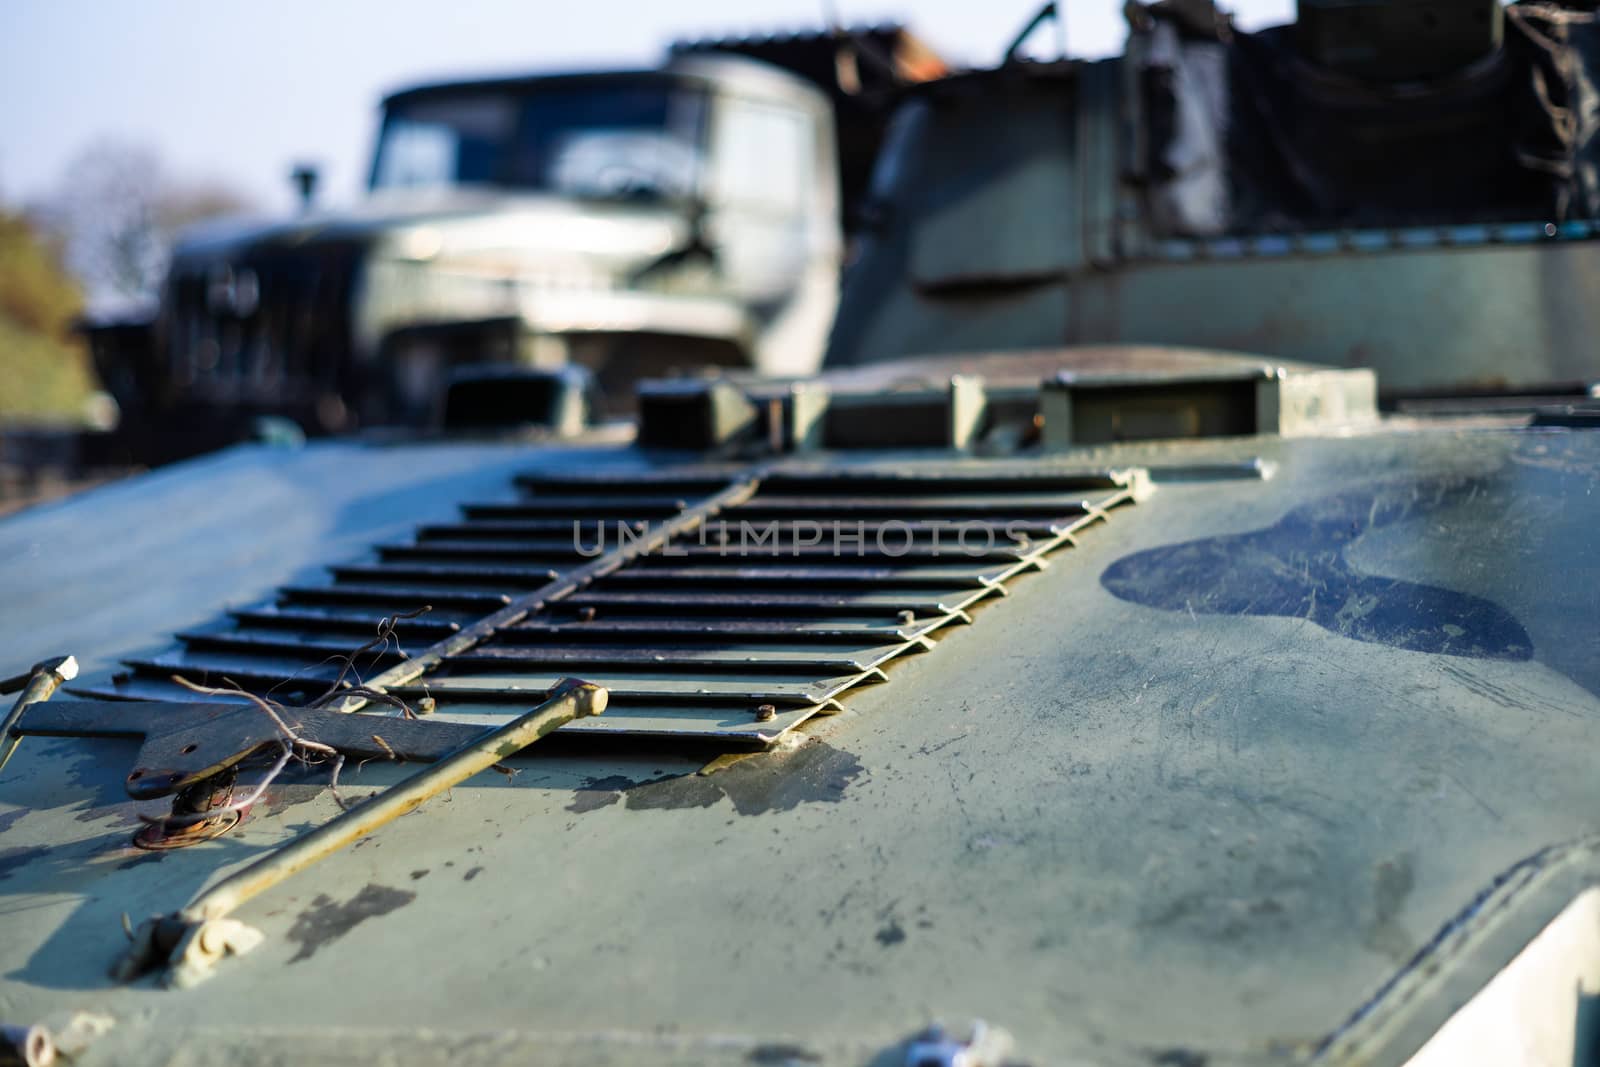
[{"x": 238, "y": 91}]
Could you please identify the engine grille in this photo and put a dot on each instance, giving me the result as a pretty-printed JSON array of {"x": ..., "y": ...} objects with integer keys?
[
  {"x": 761, "y": 600},
  {"x": 272, "y": 327}
]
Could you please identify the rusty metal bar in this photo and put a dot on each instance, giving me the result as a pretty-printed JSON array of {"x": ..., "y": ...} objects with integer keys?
[
  {"x": 44, "y": 680},
  {"x": 189, "y": 943},
  {"x": 570, "y": 700}
]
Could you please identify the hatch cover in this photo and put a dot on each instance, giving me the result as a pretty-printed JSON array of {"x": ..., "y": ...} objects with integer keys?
[{"x": 716, "y": 604}]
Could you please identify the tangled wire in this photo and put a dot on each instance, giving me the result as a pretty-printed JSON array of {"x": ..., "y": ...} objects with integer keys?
[{"x": 291, "y": 745}]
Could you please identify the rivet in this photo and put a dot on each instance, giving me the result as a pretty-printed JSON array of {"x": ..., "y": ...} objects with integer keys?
[{"x": 766, "y": 713}]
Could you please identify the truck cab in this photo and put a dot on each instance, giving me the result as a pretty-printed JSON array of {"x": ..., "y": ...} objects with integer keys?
[{"x": 629, "y": 222}]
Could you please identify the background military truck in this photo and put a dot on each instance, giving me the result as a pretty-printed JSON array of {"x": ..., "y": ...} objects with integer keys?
[{"x": 627, "y": 222}]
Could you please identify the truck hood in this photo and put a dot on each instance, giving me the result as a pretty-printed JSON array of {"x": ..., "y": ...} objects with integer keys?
[{"x": 420, "y": 220}]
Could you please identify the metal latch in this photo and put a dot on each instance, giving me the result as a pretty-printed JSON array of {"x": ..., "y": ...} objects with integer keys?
[{"x": 193, "y": 751}]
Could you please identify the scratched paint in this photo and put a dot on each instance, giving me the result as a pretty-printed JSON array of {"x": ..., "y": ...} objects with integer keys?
[{"x": 1297, "y": 568}]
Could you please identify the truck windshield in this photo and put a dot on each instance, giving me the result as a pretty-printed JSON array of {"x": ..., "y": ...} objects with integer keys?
[{"x": 630, "y": 141}]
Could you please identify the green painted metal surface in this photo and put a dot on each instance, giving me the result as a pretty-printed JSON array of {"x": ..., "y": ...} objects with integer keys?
[{"x": 1206, "y": 784}]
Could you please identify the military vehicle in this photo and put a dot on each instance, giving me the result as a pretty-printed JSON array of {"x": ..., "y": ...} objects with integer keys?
[
  {"x": 1411, "y": 186},
  {"x": 626, "y": 223},
  {"x": 1118, "y": 704}
]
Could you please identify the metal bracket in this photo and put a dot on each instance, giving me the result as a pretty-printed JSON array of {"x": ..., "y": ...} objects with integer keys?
[
  {"x": 191, "y": 950},
  {"x": 26, "y": 1046},
  {"x": 185, "y": 745},
  {"x": 187, "y": 944},
  {"x": 194, "y": 750}
]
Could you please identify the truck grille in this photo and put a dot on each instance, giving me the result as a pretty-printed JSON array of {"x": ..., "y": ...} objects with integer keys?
[
  {"x": 270, "y": 328},
  {"x": 778, "y": 592}
]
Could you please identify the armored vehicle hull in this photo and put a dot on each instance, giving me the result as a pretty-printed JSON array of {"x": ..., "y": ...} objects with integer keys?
[{"x": 1284, "y": 758}]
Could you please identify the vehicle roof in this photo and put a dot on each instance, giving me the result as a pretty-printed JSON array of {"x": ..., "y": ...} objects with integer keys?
[{"x": 729, "y": 72}]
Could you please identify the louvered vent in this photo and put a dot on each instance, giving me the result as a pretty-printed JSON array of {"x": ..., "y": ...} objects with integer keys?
[
  {"x": 465, "y": 570},
  {"x": 774, "y": 596}
]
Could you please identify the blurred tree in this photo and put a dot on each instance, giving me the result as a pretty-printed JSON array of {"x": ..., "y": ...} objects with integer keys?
[
  {"x": 114, "y": 215},
  {"x": 43, "y": 366}
]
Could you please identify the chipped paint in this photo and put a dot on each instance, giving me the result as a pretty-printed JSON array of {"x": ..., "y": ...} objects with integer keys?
[
  {"x": 814, "y": 772},
  {"x": 1297, "y": 568}
]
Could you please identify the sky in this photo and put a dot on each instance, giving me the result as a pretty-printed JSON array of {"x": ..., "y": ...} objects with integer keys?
[{"x": 237, "y": 92}]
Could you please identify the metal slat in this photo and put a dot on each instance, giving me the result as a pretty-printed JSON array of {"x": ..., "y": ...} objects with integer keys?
[
  {"x": 930, "y": 479},
  {"x": 744, "y": 692},
  {"x": 742, "y": 572},
  {"x": 332, "y": 619},
  {"x": 141, "y": 687},
  {"x": 399, "y": 598},
  {"x": 868, "y": 556},
  {"x": 263, "y": 664},
  {"x": 554, "y": 551},
  {"x": 827, "y": 507},
  {"x": 284, "y": 644},
  {"x": 697, "y": 481},
  {"x": 490, "y": 529},
  {"x": 643, "y": 721},
  {"x": 512, "y": 577},
  {"x": 920, "y": 530},
  {"x": 315, "y": 676},
  {"x": 759, "y": 603},
  {"x": 562, "y": 529},
  {"x": 635, "y": 719},
  {"x": 586, "y": 507},
  {"x": 743, "y": 629},
  {"x": 585, "y": 656}
]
